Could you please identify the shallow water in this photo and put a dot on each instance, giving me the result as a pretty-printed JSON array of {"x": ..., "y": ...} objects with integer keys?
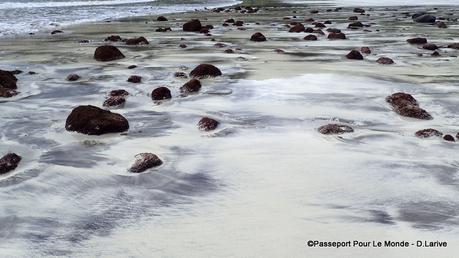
[{"x": 266, "y": 181}]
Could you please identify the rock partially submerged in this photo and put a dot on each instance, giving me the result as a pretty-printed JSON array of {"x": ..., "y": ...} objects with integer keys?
[
  {"x": 73, "y": 77},
  {"x": 8, "y": 84},
  {"x": 145, "y": 161},
  {"x": 449, "y": 138},
  {"x": 430, "y": 132},
  {"x": 9, "y": 162},
  {"x": 406, "y": 105},
  {"x": 385, "y": 61},
  {"x": 161, "y": 93},
  {"x": 108, "y": 53},
  {"x": 192, "y": 86},
  {"x": 193, "y": 26},
  {"x": 115, "y": 102},
  {"x": 207, "y": 124},
  {"x": 92, "y": 120},
  {"x": 355, "y": 55},
  {"x": 137, "y": 41},
  {"x": 135, "y": 79},
  {"x": 335, "y": 129},
  {"x": 204, "y": 71},
  {"x": 336, "y": 35},
  {"x": 417, "y": 40},
  {"x": 310, "y": 37},
  {"x": 258, "y": 37},
  {"x": 297, "y": 28}
]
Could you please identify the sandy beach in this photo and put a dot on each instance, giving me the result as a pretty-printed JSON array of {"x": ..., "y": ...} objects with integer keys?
[{"x": 266, "y": 180}]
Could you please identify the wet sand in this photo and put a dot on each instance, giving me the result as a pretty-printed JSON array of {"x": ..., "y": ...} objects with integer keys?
[{"x": 265, "y": 181}]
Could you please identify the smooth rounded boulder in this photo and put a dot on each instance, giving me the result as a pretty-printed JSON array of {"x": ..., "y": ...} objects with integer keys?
[
  {"x": 335, "y": 129},
  {"x": 258, "y": 37},
  {"x": 205, "y": 71},
  {"x": 194, "y": 85},
  {"x": 354, "y": 55},
  {"x": 427, "y": 133},
  {"x": 193, "y": 26},
  {"x": 161, "y": 93},
  {"x": 207, "y": 124},
  {"x": 108, "y": 53},
  {"x": 145, "y": 161},
  {"x": 406, "y": 105},
  {"x": 385, "y": 61},
  {"x": 8, "y": 80},
  {"x": 92, "y": 120}
]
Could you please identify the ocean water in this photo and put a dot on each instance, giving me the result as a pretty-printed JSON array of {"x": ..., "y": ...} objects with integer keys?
[{"x": 30, "y": 16}]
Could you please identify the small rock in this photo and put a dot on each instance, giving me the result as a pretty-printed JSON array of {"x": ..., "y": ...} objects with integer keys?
[
  {"x": 161, "y": 93},
  {"x": 73, "y": 77},
  {"x": 336, "y": 35},
  {"x": 454, "y": 46},
  {"x": 430, "y": 46},
  {"x": 135, "y": 79},
  {"x": 115, "y": 101},
  {"x": 132, "y": 66},
  {"x": 137, "y": 41},
  {"x": 359, "y": 10},
  {"x": 113, "y": 38},
  {"x": 193, "y": 85},
  {"x": 238, "y": 23},
  {"x": 207, "y": 124},
  {"x": 355, "y": 25},
  {"x": 441, "y": 25},
  {"x": 335, "y": 129},
  {"x": 204, "y": 71},
  {"x": 449, "y": 138},
  {"x": 365, "y": 50},
  {"x": 430, "y": 132},
  {"x": 107, "y": 53},
  {"x": 145, "y": 161},
  {"x": 183, "y": 45},
  {"x": 180, "y": 75},
  {"x": 435, "y": 54},
  {"x": 355, "y": 55},
  {"x": 161, "y": 18},
  {"x": 92, "y": 120},
  {"x": 426, "y": 18},
  {"x": 9, "y": 162},
  {"x": 193, "y": 25},
  {"x": 401, "y": 99},
  {"x": 258, "y": 37},
  {"x": 385, "y": 60},
  {"x": 297, "y": 28},
  {"x": 8, "y": 80}
]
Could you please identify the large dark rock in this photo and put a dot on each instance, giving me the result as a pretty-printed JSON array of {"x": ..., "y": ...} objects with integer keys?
[
  {"x": 95, "y": 121},
  {"x": 449, "y": 138},
  {"x": 417, "y": 41},
  {"x": 355, "y": 55},
  {"x": 204, "y": 71},
  {"x": 145, "y": 161},
  {"x": 9, "y": 162},
  {"x": 430, "y": 46},
  {"x": 406, "y": 105},
  {"x": 454, "y": 46},
  {"x": 425, "y": 18},
  {"x": 430, "y": 132},
  {"x": 161, "y": 18},
  {"x": 193, "y": 85},
  {"x": 193, "y": 25},
  {"x": 335, "y": 129},
  {"x": 258, "y": 37},
  {"x": 137, "y": 41},
  {"x": 208, "y": 124},
  {"x": 8, "y": 80},
  {"x": 107, "y": 53},
  {"x": 336, "y": 35},
  {"x": 161, "y": 93}
]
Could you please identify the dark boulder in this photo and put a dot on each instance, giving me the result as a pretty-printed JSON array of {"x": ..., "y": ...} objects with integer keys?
[
  {"x": 353, "y": 18},
  {"x": 135, "y": 79},
  {"x": 441, "y": 25},
  {"x": 54, "y": 32},
  {"x": 449, "y": 138},
  {"x": 358, "y": 10},
  {"x": 297, "y": 28},
  {"x": 8, "y": 80},
  {"x": 401, "y": 99},
  {"x": 118, "y": 93},
  {"x": 310, "y": 37},
  {"x": 336, "y": 35},
  {"x": 145, "y": 161},
  {"x": 385, "y": 60},
  {"x": 108, "y": 53},
  {"x": 406, "y": 105},
  {"x": 7, "y": 93},
  {"x": 161, "y": 18},
  {"x": 113, "y": 38},
  {"x": 454, "y": 46},
  {"x": 9, "y": 162},
  {"x": 73, "y": 77},
  {"x": 165, "y": 29},
  {"x": 207, "y": 124},
  {"x": 355, "y": 25},
  {"x": 258, "y": 37},
  {"x": 92, "y": 120},
  {"x": 137, "y": 41},
  {"x": 430, "y": 132},
  {"x": 417, "y": 41},
  {"x": 161, "y": 93},
  {"x": 365, "y": 50},
  {"x": 231, "y": 20},
  {"x": 204, "y": 71},
  {"x": 335, "y": 129},
  {"x": 193, "y": 85},
  {"x": 425, "y": 18},
  {"x": 238, "y": 23},
  {"x": 430, "y": 46},
  {"x": 193, "y": 25},
  {"x": 355, "y": 55}
]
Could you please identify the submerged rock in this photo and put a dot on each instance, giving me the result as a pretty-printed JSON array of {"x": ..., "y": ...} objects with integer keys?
[
  {"x": 145, "y": 161},
  {"x": 9, "y": 162},
  {"x": 355, "y": 55},
  {"x": 449, "y": 138},
  {"x": 7, "y": 93},
  {"x": 137, "y": 41},
  {"x": 258, "y": 37},
  {"x": 430, "y": 132},
  {"x": 365, "y": 50},
  {"x": 297, "y": 28},
  {"x": 118, "y": 93},
  {"x": 92, "y": 120},
  {"x": 161, "y": 93},
  {"x": 335, "y": 129},
  {"x": 417, "y": 40},
  {"x": 161, "y": 18},
  {"x": 385, "y": 60},
  {"x": 454, "y": 46},
  {"x": 406, "y": 105},
  {"x": 193, "y": 25},
  {"x": 401, "y": 99},
  {"x": 430, "y": 46},
  {"x": 113, "y": 38},
  {"x": 135, "y": 79},
  {"x": 115, "y": 102},
  {"x": 108, "y": 53},
  {"x": 425, "y": 18},
  {"x": 336, "y": 35},
  {"x": 204, "y": 71},
  {"x": 207, "y": 124},
  {"x": 310, "y": 37},
  {"x": 8, "y": 80},
  {"x": 193, "y": 85}
]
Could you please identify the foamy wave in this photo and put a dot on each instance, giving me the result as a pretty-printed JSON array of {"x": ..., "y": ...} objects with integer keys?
[{"x": 16, "y": 5}]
